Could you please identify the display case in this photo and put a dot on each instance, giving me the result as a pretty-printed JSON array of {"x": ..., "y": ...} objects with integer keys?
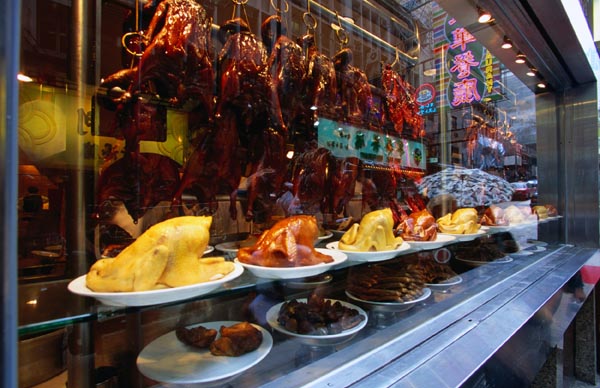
[{"x": 359, "y": 192}]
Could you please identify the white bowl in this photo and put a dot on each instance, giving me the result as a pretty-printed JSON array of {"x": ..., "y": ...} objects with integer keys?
[
  {"x": 295, "y": 272},
  {"x": 151, "y": 297},
  {"x": 466, "y": 237},
  {"x": 440, "y": 241},
  {"x": 316, "y": 339},
  {"x": 370, "y": 256}
]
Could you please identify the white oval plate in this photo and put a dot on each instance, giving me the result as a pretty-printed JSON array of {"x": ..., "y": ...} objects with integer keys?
[
  {"x": 466, "y": 237},
  {"x": 369, "y": 256},
  {"x": 328, "y": 234},
  {"x": 315, "y": 339},
  {"x": 295, "y": 272},
  {"x": 209, "y": 249},
  {"x": 391, "y": 306},
  {"x": 151, "y": 297},
  {"x": 168, "y": 360},
  {"x": 440, "y": 241},
  {"x": 475, "y": 263},
  {"x": 453, "y": 281}
]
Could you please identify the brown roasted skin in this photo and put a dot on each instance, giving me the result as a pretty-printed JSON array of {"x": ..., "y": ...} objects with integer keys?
[
  {"x": 198, "y": 337},
  {"x": 418, "y": 226},
  {"x": 494, "y": 216},
  {"x": 399, "y": 105},
  {"x": 354, "y": 90},
  {"x": 140, "y": 181},
  {"x": 236, "y": 340},
  {"x": 343, "y": 178},
  {"x": 289, "y": 243},
  {"x": 310, "y": 180}
]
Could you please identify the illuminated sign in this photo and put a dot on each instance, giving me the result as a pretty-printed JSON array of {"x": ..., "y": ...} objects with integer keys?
[
  {"x": 345, "y": 140},
  {"x": 425, "y": 98},
  {"x": 469, "y": 72}
]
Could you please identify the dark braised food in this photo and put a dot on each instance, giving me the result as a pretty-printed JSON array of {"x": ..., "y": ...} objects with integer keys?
[
  {"x": 198, "y": 337},
  {"x": 386, "y": 284},
  {"x": 318, "y": 316},
  {"x": 236, "y": 340}
]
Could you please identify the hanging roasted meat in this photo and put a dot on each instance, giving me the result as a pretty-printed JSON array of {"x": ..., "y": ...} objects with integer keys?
[
  {"x": 286, "y": 66},
  {"x": 139, "y": 180},
  {"x": 399, "y": 105},
  {"x": 310, "y": 180},
  {"x": 266, "y": 182},
  {"x": 355, "y": 93},
  {"x": 175, "y": 66},
  {"x": 343, "y": 183}
]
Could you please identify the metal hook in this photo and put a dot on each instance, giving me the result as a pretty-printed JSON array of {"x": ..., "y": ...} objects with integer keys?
[
  {"x": 286, "y": 7},
  {"x": 125, "y": 42},
  {"x": 340, "y": 32}
]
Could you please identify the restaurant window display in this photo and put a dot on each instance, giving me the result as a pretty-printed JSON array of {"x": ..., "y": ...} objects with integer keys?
[{"x": 230, "y": 182}]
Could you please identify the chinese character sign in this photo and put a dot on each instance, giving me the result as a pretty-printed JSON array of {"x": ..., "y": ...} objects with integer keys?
[{"x": 470, "y": 71}]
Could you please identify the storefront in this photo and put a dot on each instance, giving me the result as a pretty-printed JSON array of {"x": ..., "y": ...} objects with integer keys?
[{"x": 128, "y": 114}]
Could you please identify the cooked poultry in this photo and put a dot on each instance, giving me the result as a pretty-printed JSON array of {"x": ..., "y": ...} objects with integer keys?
[
  {"x": 310, "y": 179},
  {"x": 494, "y": 216},
  {"x": 374, "y": 233},
  {"x": 541, "y": 212},
  {"x": 462, "y": 221},
  {"x": 399, "y": 105},
  {"x": 386, "y": 283},
  {"x": 167, "y": 254},
  {"x": 198, "y": 337},
  {"x": 289, "y": 243},
  {"x": 236, "y": 340},
  {"x": 418, "y": 226}
]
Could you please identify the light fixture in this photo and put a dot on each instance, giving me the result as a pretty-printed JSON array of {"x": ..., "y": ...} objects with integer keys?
[
  {"x": 520, "y": 58},
  {"x": 506, "y": 43},
  {"x": 541, "y": 85},
  {"x": 23, "y": 78},
  {"x": 531, "y": 72},
  {"x": 484, "y": 16},
  {"x": 429, "y": 72}
]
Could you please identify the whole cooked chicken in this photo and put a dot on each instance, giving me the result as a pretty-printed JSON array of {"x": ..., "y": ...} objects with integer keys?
[
  {"x": 462, "y": 221},
  {"x": 289, "y": 243},
  {"x": 168, "y": 254},
  {"x": 374, "y": 233}
]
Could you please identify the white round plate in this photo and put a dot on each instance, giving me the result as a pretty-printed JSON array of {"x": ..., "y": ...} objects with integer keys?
[
  {"x": 440, "y": 241},
  {"x": 537, "y": 242},
  {"x": 328, "y": 234},
  {"x": 495, "y": 228},
  {"x": 168, "y": 360},
  {"x": 209, "y": 249},
  {"x": 316, "y": 339},
  {"x": 391, "y": 306},
  {"x": 233, "y": 246},
  {"x": 453, "y": 281},
  {"x": 522, "y": 253},
  {"x": 151, "y": 297},
  {"x": 466, "y": 237},
  {"x": 295, "y": 272},
  {"x": 477, "y": 263},
  {"x": 370, "y": 256}
]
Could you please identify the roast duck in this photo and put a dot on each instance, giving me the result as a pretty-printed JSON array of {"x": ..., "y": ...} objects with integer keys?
[
  {"x": 399, "y": 105},
  {"x": 418, "y": 226},
  {"x": 289, "y": 243},
  {"x": 233, "y": 341},
  {"x": 374, "y": 233},
  {"x": 175, "y": 66}
]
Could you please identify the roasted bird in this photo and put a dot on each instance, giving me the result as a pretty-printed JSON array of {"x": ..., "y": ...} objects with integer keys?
[
  {"x": 418, "y": 226},
  {"x": 343, "y": 175},
  {"x": 168, "y": 254},
  {"x": 462, "y": 221},
  {"x": 236, "y": 340},
  {"x": 494, "y": 216},
  {"x": 289, "y": 243},
  {"x": 310, "y": 179},
  {"x": 355, "y": 93},
  {"x": 374, "y": 233},
  {"x": 320, "y": 85},
  {"x": 399, "y": 105},
  {"x": 139, "y": 180}
]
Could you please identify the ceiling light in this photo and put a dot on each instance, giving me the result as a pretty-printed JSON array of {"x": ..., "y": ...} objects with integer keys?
[
  {"x": 531, "y": 72},
  {"x": 520, "y": 58},
  {"x": 484, "y": 16},
  {"x": 506, "y": 43},
  {"x": 429, "y": 72},
  {"x": 541, "y": 85},
  {"x": 23, "y": 78}
]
